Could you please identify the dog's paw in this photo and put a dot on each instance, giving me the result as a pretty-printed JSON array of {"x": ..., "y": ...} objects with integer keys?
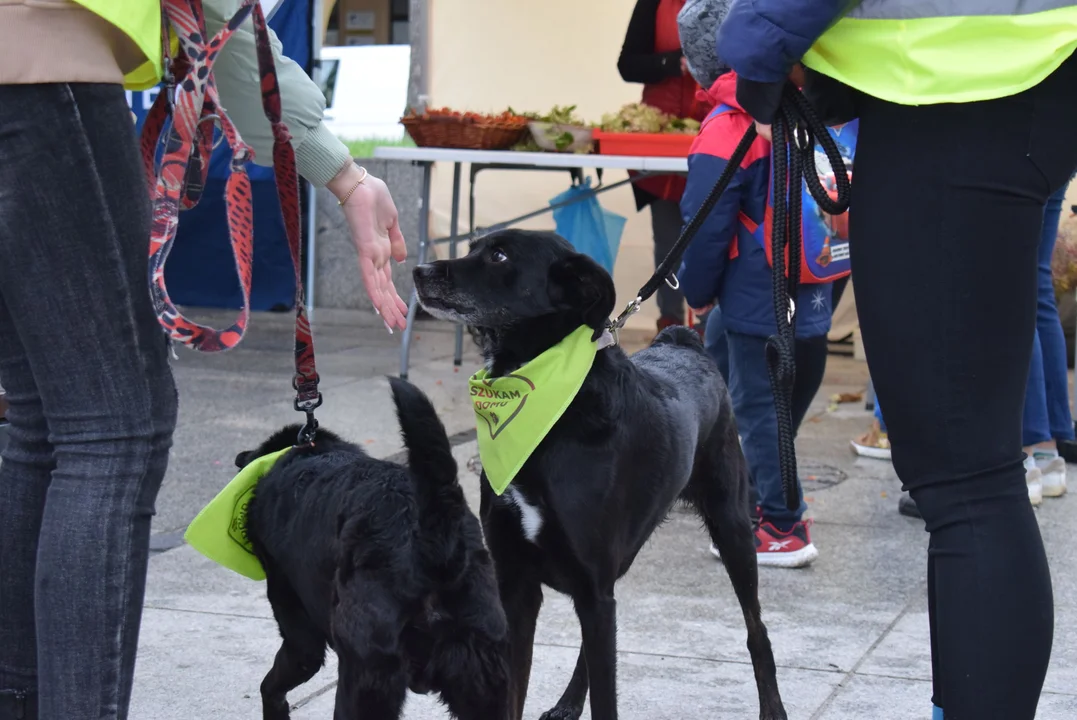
[{"x": 562, "y": 713}]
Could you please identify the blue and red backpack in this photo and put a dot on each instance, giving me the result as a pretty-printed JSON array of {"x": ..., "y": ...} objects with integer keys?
[{"x": 824, "y": 253}]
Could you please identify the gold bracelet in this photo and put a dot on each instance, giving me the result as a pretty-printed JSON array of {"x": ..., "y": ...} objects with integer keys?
[{"x": 354, "y": 187}]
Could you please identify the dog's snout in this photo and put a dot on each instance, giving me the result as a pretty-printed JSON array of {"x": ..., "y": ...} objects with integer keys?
[{"x": 431, "y": 271}]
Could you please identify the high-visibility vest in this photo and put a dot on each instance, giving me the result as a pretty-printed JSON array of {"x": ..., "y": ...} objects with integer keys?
[
  {"x": 140, "y": 20},
  {"x": 922, "y": 52}
]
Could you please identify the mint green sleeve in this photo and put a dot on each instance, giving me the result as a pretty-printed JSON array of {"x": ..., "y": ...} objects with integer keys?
[{"x": 319, "y": 153}]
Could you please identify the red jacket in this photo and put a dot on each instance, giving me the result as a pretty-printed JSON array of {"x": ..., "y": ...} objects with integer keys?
[{"x": 652, "y": 55}]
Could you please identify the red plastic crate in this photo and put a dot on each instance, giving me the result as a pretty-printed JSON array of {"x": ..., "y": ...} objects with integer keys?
[{"x": 644, "y": 144}]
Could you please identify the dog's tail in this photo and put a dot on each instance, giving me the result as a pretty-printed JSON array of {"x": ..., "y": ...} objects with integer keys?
[{"x": 429, "y": 453}]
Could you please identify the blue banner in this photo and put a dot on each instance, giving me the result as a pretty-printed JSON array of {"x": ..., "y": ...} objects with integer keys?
[{"x": 201, "y": 271}]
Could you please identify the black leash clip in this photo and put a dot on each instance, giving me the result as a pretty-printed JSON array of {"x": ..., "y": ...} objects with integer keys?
[{"x": 310, "y": 427}]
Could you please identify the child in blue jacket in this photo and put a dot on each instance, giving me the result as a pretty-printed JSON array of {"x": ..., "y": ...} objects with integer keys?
[{"x": 726, "y": 268}]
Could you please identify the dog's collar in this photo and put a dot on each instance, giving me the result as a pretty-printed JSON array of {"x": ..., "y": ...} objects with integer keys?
[{"x": 606, "y": 340}]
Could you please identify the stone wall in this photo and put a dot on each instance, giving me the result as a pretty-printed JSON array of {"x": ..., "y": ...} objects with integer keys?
[{"x": 337, "y": 282}]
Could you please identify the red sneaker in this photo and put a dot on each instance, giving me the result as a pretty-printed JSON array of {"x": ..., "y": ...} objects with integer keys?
[{"x": 791, "y": 549}]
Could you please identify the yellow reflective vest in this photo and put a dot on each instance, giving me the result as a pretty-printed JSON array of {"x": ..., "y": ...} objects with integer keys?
[
  {"x": 140, "y": 20},
  {"x": 922, "y": 52}
]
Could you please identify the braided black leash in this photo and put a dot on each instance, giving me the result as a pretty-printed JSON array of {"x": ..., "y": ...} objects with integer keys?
[{"x": 796, "y": 129}]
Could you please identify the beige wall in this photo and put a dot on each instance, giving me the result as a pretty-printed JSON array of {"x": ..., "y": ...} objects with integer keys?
[{"x": 486, "y": 56}]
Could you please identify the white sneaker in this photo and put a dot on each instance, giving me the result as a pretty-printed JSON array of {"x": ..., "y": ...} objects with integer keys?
[
  {"x": 1034, "y": 480},
  {"x": 1053, "y": 471}
]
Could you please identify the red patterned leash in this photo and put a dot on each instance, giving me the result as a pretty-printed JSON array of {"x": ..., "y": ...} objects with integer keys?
[{"x": 190, "y": 97}]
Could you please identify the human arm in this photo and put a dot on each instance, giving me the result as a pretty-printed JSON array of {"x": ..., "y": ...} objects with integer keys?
[
  {"x": 762, "y": 40},
  {"x": 639, "y": 63},
  {"x": 704, "y": 262},
  {"x": 321, "y": 157}
]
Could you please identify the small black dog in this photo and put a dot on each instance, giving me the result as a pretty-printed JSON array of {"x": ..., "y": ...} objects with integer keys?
[
  {"x": 641, "y": 433},
  {"x": 386, "y": 565}
]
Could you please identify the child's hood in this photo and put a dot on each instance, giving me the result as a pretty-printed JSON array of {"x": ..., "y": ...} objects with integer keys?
[{"x": 722, "y": 92}]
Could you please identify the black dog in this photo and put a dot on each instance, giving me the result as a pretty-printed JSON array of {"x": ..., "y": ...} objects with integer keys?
[
  {"x": 641, "y": 433},
  {"x": 386, "y": 565}
]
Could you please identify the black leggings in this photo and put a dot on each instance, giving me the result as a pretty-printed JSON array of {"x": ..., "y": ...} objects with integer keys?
[{"x": 947, "y": 208}]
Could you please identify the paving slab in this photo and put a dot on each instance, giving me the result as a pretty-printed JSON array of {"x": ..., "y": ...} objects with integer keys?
[{"x": 206, "y": 665}]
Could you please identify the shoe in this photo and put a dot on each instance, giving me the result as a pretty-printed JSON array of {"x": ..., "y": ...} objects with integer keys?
[
  {"x": 1052, "y": 474},
  {"x": 1034, "y": 480},
  {"x": 907, "y": 507},
  {"x": 873, "y": 444},
  {"x": 791, "y": 549}
]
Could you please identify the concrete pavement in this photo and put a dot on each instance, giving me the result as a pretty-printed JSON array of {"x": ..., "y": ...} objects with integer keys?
[{"x": 849, "y": 633}]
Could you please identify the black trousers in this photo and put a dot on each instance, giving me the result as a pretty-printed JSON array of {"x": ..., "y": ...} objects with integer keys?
[{"x": 947, "y": 209}]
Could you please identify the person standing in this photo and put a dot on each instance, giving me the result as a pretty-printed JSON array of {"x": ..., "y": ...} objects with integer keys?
[
  {"x": 83, "y": 361},
  {"x": 958, "y": 152},
  {"x": 1047, "y": 418},
  {"x": 652, "y": 55},
  {"x": 725, "y": 274}
]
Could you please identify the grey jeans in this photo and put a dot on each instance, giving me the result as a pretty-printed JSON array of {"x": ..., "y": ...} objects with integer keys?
[{"x": 92, "y": 401}]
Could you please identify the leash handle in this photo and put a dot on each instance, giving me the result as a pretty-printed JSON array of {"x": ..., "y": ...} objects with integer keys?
[
  {"x": 190, "y": 99},
  {"x": 795, "y": 131}
]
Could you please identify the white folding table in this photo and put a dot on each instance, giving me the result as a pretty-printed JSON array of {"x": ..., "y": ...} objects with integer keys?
[{"x": 480, "y": 160}]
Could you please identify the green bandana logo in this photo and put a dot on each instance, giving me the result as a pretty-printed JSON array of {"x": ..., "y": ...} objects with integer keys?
[
  {"x": 499, "y": 401},
  {"x": 219, "y": 531},
  {"x": 514, "y": 413}
]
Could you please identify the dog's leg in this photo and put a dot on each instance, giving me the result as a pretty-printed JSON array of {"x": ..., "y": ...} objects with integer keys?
[
  {"x": 370, "y": 688},
  {"x": 367, "y": 625},
  {"x": 468, "y": 661},
  {"x": 721, "y": 488},
  {"x": 519, "y": 589},
  {"x": 521, "y": 597},
  {"x": 472, "y": 677},
  {"x": 598, "y": 623},
  {"x": 301, "y": 654},
  {"x": 295, "y": 664},
  {"x": 570, "y": 706}
]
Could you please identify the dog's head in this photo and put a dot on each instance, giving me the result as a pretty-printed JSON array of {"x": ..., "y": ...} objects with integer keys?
[{"x": 515, "y": 278}]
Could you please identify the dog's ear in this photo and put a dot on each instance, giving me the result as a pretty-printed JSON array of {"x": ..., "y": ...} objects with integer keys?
[
  {"x": 242, "y": 459},
  {"x": 579, "y": 283}
]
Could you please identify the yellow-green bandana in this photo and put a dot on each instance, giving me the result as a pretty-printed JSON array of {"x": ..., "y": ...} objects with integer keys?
[
  {"x": 220, "y": 531},
  {"x": 515, "y": 412}
]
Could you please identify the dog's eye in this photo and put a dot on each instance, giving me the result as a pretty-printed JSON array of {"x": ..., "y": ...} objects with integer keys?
[{"x": 498, "y": 257}]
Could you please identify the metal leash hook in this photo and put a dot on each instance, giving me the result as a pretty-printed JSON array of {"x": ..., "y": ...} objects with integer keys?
[
  {"x": 310, "y": 427},
  {"x": 615, "y": 326}
]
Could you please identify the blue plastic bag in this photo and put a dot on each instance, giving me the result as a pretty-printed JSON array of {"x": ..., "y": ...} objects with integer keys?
[{"x": 591, "y": 229}]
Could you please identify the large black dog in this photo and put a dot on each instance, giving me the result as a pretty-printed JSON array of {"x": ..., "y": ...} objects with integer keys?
[
  {"x": 642, "y": 432},
  {"x": 386, "y": 565}
]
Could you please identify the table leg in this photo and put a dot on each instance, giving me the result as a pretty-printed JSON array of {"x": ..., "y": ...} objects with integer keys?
[
  {"x": 454, "y": 226},
  {"x": 424, "y": 242}
]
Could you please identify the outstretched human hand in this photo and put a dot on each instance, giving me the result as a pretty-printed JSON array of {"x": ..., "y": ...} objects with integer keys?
[{"x": 375, "y": 230}]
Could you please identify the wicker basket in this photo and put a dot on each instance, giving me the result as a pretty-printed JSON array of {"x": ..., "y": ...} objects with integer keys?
[{"x": 462, "y": 133}]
